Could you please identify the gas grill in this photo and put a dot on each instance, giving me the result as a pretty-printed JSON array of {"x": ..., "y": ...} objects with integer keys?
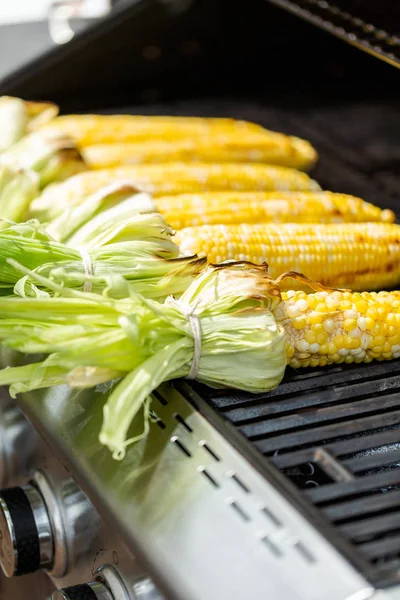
[{"x": 291, "y": 494}]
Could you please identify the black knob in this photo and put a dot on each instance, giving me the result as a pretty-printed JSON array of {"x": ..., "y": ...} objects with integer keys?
[
  {"x": 25, "y": 532},
  {"x": 86, "y": 591}
]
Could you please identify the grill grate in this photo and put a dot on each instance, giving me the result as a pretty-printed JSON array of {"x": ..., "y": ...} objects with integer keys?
[{"x": 371, "y": 30}]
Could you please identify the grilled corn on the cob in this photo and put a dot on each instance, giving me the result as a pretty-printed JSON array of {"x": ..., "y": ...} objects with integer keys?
[
  {"x": 356, "y": 255},
  {"x": 268, "y": 147},
  {"x": 109, "y": 129},
  {"x": 339, "y": 326},
  {"x": 88, "y": 130},
  {"x": 228, "y": 208},
  {"x": 175, "y": 178}
]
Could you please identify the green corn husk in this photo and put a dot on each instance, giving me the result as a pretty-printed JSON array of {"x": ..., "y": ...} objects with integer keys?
[
  {"x": 91, "y": 338},
  {"x": 83, "y": 223},
  {"x": 17, "y": 190},
  {"x": 148, "y": 262},
  {"x": 19, "y": 117},
  {"x": 53, "y": 157}
]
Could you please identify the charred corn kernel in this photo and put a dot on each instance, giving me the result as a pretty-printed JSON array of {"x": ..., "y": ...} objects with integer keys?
[
  {"x": 139, "y": 138},
  {"x": 264, "y": 147},
  {"x": 340, "y": 345},
  {"x": 176, "y": 178},
  {"x": 356, "y": 256},
  {"x": 229, "y": 208}
]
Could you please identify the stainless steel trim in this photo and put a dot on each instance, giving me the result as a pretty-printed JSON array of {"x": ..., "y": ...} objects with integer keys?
[
  {"x": 98, "y": 589},
  {"x": 144, "y": 589},
  {"x": 74, "y": 521},
  {"x": 128, "y": 587},
  {"x": 102, "y": 593},
  {"x": 205, "y": 522},
  {"x": 108, "y": 576},
  {"x": 43, "y": 525},
  {"x": 8, "y": 542}
]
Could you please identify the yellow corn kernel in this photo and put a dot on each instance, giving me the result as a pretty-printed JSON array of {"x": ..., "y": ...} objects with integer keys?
[
  {"x": 356, "y": 256},
  {"x": 349, "y": 324},
  {"x": 369, "y": 323},
  {"x": 261, "y": 147},
  {"x": 339, "y": 345},
  {"x": 310, "y": 336},
  {"x": 100, "y": 129},
  {"x": 299, "y": 322},
  {"x": 315, "y": 318},
  {"x": 127, "y": 138},
  {"x": 176, "y": 178},
  {"x": 229, "y": 208}
]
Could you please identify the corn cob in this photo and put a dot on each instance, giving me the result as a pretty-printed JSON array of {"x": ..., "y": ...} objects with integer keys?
[
  {"x": 175, "y": 178},
  {"x": 272, "y": 148},
  {"x": 332, "y": 327},
  {"x": 228, "y": 208},
  {"x": 357, "y": 255},
  {"x": 108, "y": 129}
]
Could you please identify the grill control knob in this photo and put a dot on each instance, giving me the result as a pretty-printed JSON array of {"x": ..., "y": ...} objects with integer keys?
[
  {"x": 26, "y": 540},
  {"x": 48, "y": 524},
  {"x": 109, "y": 585},
  {"x": 87, "y": 591}
]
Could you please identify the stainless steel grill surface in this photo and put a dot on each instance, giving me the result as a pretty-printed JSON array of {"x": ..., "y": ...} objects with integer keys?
[{"x": 292, "y": 494}]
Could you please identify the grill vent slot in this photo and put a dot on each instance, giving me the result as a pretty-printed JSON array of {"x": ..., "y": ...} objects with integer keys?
[{"x": 336, "y": 434}]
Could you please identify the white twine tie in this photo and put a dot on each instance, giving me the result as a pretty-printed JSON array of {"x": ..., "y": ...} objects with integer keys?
[
  {"x": 194, "y": 320},
  {"x": 88, "y": 267}
]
